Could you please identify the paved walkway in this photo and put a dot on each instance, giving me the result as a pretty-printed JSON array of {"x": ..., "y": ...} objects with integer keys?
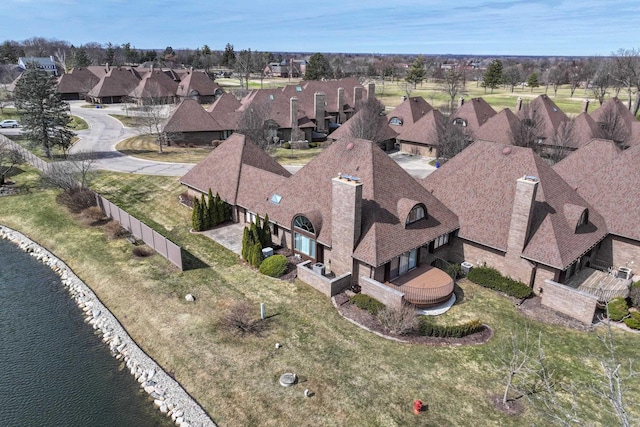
[{"x": 228, "y": 235}]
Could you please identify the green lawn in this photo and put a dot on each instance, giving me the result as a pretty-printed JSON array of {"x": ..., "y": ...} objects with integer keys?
[{"x": 358, "y": 378}]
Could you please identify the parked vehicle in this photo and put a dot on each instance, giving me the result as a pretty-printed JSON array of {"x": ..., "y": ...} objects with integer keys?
[{"x": 9, "y": 124}]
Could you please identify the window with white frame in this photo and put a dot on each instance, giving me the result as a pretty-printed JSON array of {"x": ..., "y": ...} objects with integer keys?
[
  {"x": 440, "y": 241},
  {"x": 417, "y": 213},
  {"x": 303, "y": 236}
]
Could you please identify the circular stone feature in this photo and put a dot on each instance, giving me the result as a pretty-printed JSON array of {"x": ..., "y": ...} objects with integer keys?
[{"x": 288, "y": 379}]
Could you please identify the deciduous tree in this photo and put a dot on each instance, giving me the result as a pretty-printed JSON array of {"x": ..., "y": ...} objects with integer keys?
[{"x": 452, "y": 84}]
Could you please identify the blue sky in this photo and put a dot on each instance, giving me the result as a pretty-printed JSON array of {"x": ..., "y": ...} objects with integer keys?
[{"x": 498, "y": 27}]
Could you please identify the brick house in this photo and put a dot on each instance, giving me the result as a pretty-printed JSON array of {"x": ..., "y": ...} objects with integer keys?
[{"x": 352, "y": 210}]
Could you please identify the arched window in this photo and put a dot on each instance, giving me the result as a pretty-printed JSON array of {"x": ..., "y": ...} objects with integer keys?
[
  {"x": 460, "y": 122},
  {"x": 417, "y": 213},
  {"x": 584, "y": 217},
  {"x": 304, "y": 237},
  {"x": 395, "y": 121}
]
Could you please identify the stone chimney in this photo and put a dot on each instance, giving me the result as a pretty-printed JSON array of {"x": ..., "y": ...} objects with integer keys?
[
  {"x": 371, "y": 90},
  {"x": 346, "y": 223},
  {"x": 107, "y": 67},
  {"x": 519, "y": 104},
  {"x": 340, "y": 105},
  {"x": 523, "y": 202},
  {"x": 585, "y": 105},
  {"x": 293, "y": 113},
  {"x": 320, "y": 107},
  {"x": 460, "y": 102},
  {"x": 357, "y": 96}
]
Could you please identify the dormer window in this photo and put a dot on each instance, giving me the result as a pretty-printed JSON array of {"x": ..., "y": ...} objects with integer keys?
[
  {"x": 395, "y": 121},
  {"x": 584, "y": 217},
  {"x": 417, "y": 213},
  {"x": 460, "y": 122}
]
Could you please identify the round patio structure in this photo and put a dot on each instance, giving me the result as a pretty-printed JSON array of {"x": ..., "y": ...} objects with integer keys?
[{"x": 425, "y": 286}]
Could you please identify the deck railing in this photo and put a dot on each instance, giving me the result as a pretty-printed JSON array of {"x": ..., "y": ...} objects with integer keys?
[{"x": 425, "y": 296}]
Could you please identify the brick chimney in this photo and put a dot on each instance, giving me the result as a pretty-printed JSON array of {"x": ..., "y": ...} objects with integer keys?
[
  {"x": 346, "y": 223},
  {"x": 293, "y": 113},
  {"x": 319, "y": 102},
  {"x": 585, "y": 105},
  {"x": 519, "y": 104},
  {"x": 523, "y": 202},
  {"x": 460, "y": 102},
  {"x": 340, "y": 105},
  {"x": 357, "y": 96},
  {"x": 371, "y": 90}
]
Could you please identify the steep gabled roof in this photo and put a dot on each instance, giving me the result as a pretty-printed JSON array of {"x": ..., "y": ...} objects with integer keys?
[
  {"x": 117, "y": 82},
  {"x": 479, "y": 186},
  {"x": 475, "y": 112},
  {"x": 78, "y": 80},
  {"x": 584, "y": 129},
  {"x": 386, "y": 131},
  {"x": 580, "y": 165},
  {"x": 155, "y": 84},
  {"x": 613, "y": 112},
  {"x": 224, "y": 111},
  {"x": 499, "y": 128},
  {"x": 222, "y": 170},
  {"x": 410, "y": 111},
  {"x": 197, "y": 83},
  {"x": 614, "y": 190},
  {"x": 385, "y": 183},
  {"x": 189, "y": 116},
  {"x": 427, "y": 130},
  {"x": 550, "y": 114}
]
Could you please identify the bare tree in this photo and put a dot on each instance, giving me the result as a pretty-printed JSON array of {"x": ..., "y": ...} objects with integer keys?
[
  {"x": 255, "y": 124},
  {"x": 601, "y": 78},
  {"x": 530, "y": 131},
  {"x": 575, "y": 75},
  {"x": 556, "y": 76},
  {"x": 74, "y": 173},
  {"x": 61, "y": 58},
  {"x": 244, "y": 66},
  {"x": 9, "y": 158},
  {"x": 152, "y": 121},
  {"x": 368, "y": 123},
  {"x": 562, "y": 140},
  {"x": 452, "y": 84},
  {"x": 513, "y": 359},
  {"x": 626, "y": 70},
  {"x": 511, "y": 76},
  {"x": 454, "y": 138},
  {"x": 612, "y": 126}
]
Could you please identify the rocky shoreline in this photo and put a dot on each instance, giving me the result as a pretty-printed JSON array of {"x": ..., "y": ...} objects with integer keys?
[{"x": 167, "y": 394}]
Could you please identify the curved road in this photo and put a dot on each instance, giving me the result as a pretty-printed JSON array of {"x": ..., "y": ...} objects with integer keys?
[{"x": 102, "y": 136}]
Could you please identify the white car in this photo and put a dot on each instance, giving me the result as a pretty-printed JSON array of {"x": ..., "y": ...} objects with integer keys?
[{"x": 9, "y": 124}]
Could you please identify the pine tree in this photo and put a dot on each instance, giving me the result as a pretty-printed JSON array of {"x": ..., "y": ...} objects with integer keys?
[
  {"x": 266, "y": 232},
  {"x": 204, "y": 212},
  {"x": 246, "y": 244},
  {"x": 493, "y": 76},
  {"x": 211, "y": 210},
  {"x": 196, "y": 219},
  {"x": 532, "y": 81},
  {"x": 219, "y": 209},
  {"x": 256, "y": 255},
  {"x": 417, "y": 73},
  {"x": 318, "y": 68},
  {"x": 45, "y": 116}
]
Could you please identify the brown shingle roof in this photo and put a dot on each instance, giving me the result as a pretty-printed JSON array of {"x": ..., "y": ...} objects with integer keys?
[
  {"x": 580, "y": 165},
  {"x": 584, "y": 129},
  {"x": 117, "y": 82},
  {"x": 499, "y": 128},
  {"x": 549, "y": 113},
  {"x": 198, "y": 81},
  {"x": 409, "y": 111},
  {"x": 614, "y": 190},
  {"x": 479, "y": 186},
  {"x": 189, "y": 116},
  {"x": 78, "y": 80},
  {"x": 155, "y": 84},
  {"x": 428, "y": 129},
  {"x": 222, "y": 170},
  {"x": 475, "y": 112},
  {"x": 386, "y": 132}
]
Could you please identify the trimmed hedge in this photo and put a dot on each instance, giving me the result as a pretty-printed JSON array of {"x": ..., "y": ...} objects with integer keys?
[
  {"x": 492, "y": 279},
  {"x": 617, "y": 308},
  {"x": 634, "y": 321},
  {"x": 274, "y": 266},
  {"x": 365, "y": 302},
  {"x": 426, "y": 328}
]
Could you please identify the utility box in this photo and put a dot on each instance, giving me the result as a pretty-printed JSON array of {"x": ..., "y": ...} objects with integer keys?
[
  {"x": 318, "y": 268},
  {"x": 466, "y": 267},
  {"x": 267, "y": 252}
]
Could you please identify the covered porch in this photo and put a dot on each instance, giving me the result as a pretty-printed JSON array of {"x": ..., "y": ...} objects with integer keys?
[{"x": 424, "y": 286}]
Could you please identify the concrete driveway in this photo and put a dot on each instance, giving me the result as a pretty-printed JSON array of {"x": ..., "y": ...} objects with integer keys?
[{"x": 228, "y": 235}]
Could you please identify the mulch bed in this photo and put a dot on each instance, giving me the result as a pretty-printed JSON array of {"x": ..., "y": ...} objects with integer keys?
[{"x": 366, "y": 320}]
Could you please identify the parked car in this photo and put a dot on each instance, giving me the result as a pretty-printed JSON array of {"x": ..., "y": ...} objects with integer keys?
[
  {"x": 318, "y": 136},
  {"x": 9, "y": 124}
]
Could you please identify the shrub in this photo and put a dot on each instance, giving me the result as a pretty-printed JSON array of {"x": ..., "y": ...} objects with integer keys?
[
  {"x": 142, "y": 251},
  {"x": 399, "y": 321},
  {"x": 93, "y": 216},
  {"x": 634, "y": 294},
  {"x": 77, "y": 199},
  {"x": 492, "y": 279},
  {"x": 429, "y": 329},
  {"x": 115, "y": 230},
  {"x": 274, "y": 266},
  {"x": 454, "y": 270},
  {"x": 617, "y": 308},
  {"x": 365, "y": 302},
  {"x": 633, "y": 321},
  {"x": 239, "y": 319},
  {"x": 286, "y": 145}
]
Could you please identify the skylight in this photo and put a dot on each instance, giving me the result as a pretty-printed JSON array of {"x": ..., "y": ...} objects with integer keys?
[
  {"x": 298, "y": 89},
  {"x": 275, "y": 199}
]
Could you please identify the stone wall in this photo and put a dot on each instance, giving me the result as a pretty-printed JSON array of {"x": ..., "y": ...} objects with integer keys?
[
  {"x": 167, "y": 395},
  {"x": 579, "y": 305},
  {"x": 616, "y": 251},
  {"x": 386, "y": 295},
  {"x": 327, "y": 286}
]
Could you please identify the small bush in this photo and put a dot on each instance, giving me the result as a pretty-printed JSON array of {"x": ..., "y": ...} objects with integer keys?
[
  {"x": 492, "y": 279},
  {"x": 633, "y": 321},
  {"x": 426, "y": 328},
  {"x": 286, "y": 145},
  {"x": 142, "y": 251},
  {"x": 365, "y": 302},
  {"x": 116, "y": 231},
  {"x": 77, "y": 199},
  {"x": 617, "y": 309},
  {"x": 274, "y": 266},
  {"x": 399, "y": 321},
  {"x": 634, "y": 294},
  {"x": 240, "y": 319},
  {"x": 454, "y": 270},
  {"x": 93, "y": 216}
]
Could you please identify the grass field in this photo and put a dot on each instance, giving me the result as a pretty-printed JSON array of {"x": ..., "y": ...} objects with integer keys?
[
  {"x": 144, "y": 147},
  {"x": 357, "y": 378}
]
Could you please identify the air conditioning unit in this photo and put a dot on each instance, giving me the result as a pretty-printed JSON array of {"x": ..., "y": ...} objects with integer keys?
[
  {"x": 466, "y": 267},
  {"x": 624, "y": 273},
  {"x": 318, "y": 268},
  {"x": 267, "y": 252}
]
